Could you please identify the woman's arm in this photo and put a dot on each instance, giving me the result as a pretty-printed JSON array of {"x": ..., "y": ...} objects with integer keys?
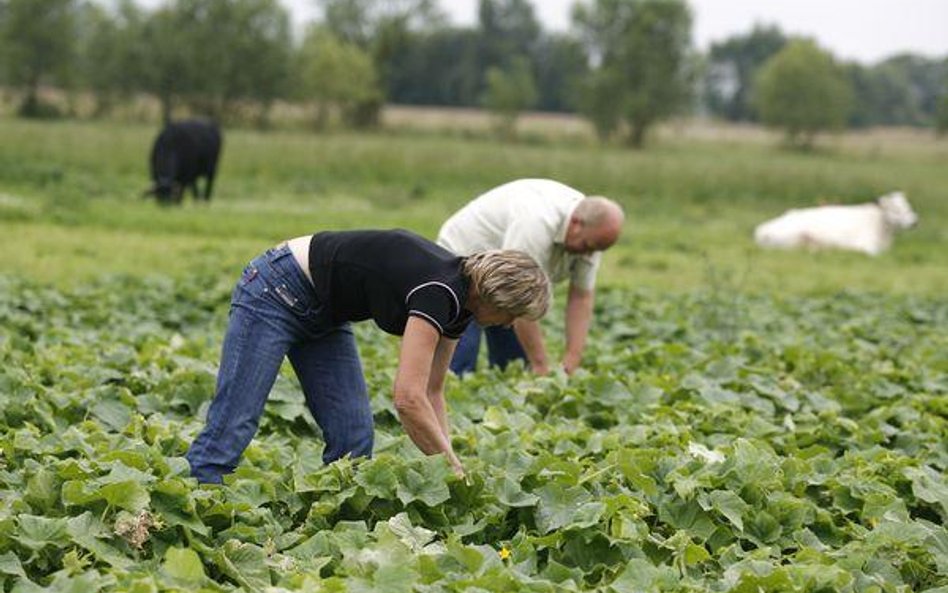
[
  {"x": 530, "y": 337},
  {"x": 439, "y": 369},
  {"x": 420, "y": 349}
]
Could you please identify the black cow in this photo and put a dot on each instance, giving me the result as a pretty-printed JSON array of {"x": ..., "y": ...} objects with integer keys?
[{"x": 183, "y": 152}]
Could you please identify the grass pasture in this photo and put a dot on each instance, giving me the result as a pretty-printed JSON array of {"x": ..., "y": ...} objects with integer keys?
[
  {"x": 744, "y": 421},
  {"x": 70, "y": 209}
]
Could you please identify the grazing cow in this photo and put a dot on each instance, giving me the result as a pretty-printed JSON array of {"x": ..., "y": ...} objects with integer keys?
[
  {"x": 183, "y": 152},
  {"x": 862, "y": 227}
]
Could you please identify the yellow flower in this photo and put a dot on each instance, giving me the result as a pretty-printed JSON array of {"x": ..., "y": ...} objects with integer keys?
[{"x": 504, "y": 553}]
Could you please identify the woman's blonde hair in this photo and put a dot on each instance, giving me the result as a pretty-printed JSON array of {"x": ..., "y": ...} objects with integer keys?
[{"x": 510, "y": 281}]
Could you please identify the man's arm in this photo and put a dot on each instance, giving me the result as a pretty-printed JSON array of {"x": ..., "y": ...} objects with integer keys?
[
  {"x": 579, "y": 309},
  {"x": 439, "y": 369},
  {"x": 531, "y": 338},
  {"x": 418, "y": 352}
]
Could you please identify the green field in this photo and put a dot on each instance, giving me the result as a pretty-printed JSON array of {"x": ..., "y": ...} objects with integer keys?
[
  {"x": 744, "y": 421},
  {"x": 70, "y": 207}
]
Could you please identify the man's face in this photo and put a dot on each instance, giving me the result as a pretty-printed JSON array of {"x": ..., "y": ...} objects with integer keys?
[{"x": 585, "y": 239}]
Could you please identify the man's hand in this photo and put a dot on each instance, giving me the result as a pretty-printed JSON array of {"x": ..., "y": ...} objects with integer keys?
[
  {"x": 571, "y": 363},
  {"x": 579, "y": 309}
]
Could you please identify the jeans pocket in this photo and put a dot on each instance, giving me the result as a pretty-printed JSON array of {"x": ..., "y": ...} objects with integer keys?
[{"x": 290, "y": 300}]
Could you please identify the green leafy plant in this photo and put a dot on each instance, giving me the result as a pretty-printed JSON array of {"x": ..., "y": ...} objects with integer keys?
[{"x": 800, "y": 448}]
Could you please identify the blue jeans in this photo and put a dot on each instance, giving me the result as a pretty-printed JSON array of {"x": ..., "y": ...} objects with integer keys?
[
  {"x": 275, "y": 314},
  {"x": 503, "y": 347}
]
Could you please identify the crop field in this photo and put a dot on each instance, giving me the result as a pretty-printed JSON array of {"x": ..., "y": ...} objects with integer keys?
[{"x": 744, "y": 420}]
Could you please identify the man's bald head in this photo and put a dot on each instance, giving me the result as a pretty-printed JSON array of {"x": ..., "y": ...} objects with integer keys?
[{"x": 595, "y": 225}]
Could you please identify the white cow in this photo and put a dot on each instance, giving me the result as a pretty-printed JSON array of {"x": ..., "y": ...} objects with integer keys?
[{"x": 861, "y": 227}]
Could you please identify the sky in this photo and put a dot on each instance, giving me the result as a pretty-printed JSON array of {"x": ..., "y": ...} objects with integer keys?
[{"x": 861, "y": 30}]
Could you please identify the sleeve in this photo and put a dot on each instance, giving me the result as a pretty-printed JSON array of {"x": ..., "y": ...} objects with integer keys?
[
  {"x": 457, "y": 328},
  {"x": 436, "y": 303},
  {"x": 583, "y": 270}
]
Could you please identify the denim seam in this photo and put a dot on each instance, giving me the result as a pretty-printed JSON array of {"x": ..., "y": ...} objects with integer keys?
[{"x": 241, "y": 344}]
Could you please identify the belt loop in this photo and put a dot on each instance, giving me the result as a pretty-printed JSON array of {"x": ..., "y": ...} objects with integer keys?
[
  {"x": 272, "y": 258},
  {"x": 277, "y": 251}
]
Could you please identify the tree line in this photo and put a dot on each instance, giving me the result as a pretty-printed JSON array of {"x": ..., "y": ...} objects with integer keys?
[{"x": 624, "y": 64}]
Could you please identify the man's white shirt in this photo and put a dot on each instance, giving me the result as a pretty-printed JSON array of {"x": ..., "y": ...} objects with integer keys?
[{"x": 530, "y": 215}]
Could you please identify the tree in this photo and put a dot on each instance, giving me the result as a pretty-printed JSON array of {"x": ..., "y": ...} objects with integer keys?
[
  {"x": 802, "y": 91},
  {"x": 360, "y": 21},
  {"x": 598, "y": 101},
  {"x": 448, "y": 66},
  {"x": 37, "y": 37},
  {"x": 941, "y": 116},
  {"x": 882, "y": 96},
  {"x": 926, "y": 80},
  {"x": 641, "y": 48},
  {"x": 732, "y": 65},
  {"x": 242, "y": 52},
  {"x": 509, "y": 30},
  {"x": 335, "y": 74},
  {"x": 561, "y": 64},
  {"x": 901, "y": 90},
  {"x": 385, "y": 30},
  {"x": 109, "y": 51},
  {"x": 441, "y": 67},
  {"x": 167, "y": 48},
  {"x": 509, "y": 91},
  {"x": 213, "y": 55}
]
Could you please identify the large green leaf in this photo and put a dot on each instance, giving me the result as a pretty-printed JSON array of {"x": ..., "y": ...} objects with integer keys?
[
  {"x": 561, "y": 506},
  {"x": 426, "y": 480},
  {"x": 37, "y": 532},
  {"x": 131, "y": 496},
  {"x": 184, "y": 566},
  {"x": 377, "y": 477},
  {"x": 929, "y": 485},
  {"x": 640, "y": 576},
  {"x": 243, "y": 562},
  {"x": 43, "y": 490},
  {"x": 416, "y": 538},
  {"x": 10, "y": 564},
  {"x": 728, "y": 504},
  {"x": 95, "y": 536},
  {"x": 511, "y": 494}
]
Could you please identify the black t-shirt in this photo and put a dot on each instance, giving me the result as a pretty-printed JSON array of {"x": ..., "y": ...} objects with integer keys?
[{"x": 388, "y": 276}]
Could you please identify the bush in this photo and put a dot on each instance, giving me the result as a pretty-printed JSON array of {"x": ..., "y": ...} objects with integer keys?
[
  {"x": 510, "y": 91},
  {"x": 941, "y": 117},
  {"x": 802, "y": 91}
]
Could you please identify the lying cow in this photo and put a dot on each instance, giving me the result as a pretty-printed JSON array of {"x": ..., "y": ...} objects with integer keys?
[
  {"x": 862, "y": 227},
  {"x": 183, "y": 152}
]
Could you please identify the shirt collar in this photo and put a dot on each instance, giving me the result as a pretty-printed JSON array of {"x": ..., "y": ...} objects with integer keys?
[{"x": 561, "y": 234}]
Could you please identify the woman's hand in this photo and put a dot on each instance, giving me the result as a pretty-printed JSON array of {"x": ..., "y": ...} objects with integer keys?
[{"x": 456, "y": 465}]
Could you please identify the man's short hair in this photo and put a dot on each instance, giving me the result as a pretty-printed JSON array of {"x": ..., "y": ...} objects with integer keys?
[
  {"x": 594, "y": 210},
  {"x": 510, "y": 281}
]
